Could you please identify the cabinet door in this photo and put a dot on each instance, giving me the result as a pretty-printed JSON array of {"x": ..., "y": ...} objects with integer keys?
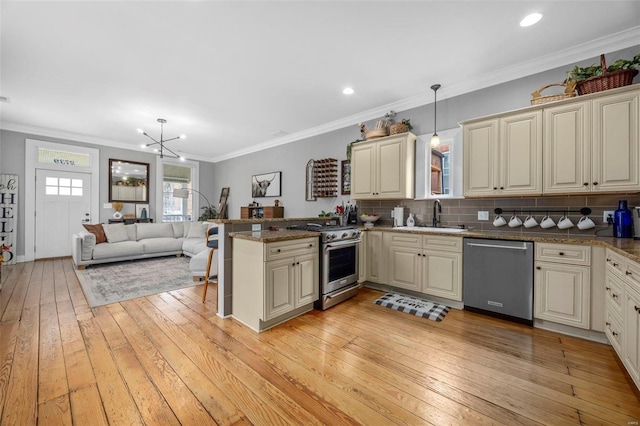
[
  {"x": 279, "y": 288},
  {"x": 567, "y": 148},
  {"x": 562, "y": 293},
  {"x": 480, "y": 158},
  {"x": 405, "y": 266},
  {"x": 375, "y": 268},
  {"x": 362, "y": 258},
  {"x": 391, "y": 170},
  {"x": 442, "y": 274},
  {"x": 521, "y": 154},
  {"x": 616, "y": 157},
  {"x": 631, "y": 339},
  {"x": 306, "y": 281},
  {"x": 363, "y": 169}
]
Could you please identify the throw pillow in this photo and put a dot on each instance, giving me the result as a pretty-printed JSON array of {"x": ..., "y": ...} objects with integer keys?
[
  {"x": 115, "y": 232},
  {"x": 96, "y": 230},
  {"x": 197, "y": 230}
]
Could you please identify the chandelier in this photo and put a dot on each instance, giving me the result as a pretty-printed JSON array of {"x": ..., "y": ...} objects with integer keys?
[{"x": 162, "y": 148}]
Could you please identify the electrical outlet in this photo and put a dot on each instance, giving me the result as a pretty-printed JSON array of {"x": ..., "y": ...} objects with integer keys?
[
  {"x": 107, "y": 206},
  {"x": 482, "y": 215},
  {"x": 606, "y": 214},
  {"x": 256, "y": 227}
]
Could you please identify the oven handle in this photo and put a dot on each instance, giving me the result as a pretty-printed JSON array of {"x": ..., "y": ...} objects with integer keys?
[
  {"x": 339, "y": 244},
  {"x": 351, "y": 287}
]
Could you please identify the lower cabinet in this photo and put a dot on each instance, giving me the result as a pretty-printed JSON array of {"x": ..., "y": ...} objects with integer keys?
[
  {"x": 375, "y": 257},
  {"x": 426, "y": 264},
  {"x": 623, "y": 311},
  {"x": 274, "y": 282},
  {"x": 562, "y": 284}
]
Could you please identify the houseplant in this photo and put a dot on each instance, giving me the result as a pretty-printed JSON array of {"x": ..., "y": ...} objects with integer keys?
[
  {"x": 596, "y": 78},
  {"x": 208, "y": 212}
]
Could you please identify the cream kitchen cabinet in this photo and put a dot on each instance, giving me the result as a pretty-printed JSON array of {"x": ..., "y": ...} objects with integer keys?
[
  {"x": 383, "y": 168},
  {"x": 375, "y": 256},
  {"x": 562, "y": 284},
  {"x": 273, "y": 282},
  {"x": 631, "y": 333},
  {"x": 430, "y": 264},
  {"x": 592, "y": 145},
  {"x": 503, "y": 155}
]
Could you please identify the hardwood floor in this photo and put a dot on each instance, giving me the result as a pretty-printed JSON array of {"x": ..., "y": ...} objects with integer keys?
[{"x": 168, "y": 359}]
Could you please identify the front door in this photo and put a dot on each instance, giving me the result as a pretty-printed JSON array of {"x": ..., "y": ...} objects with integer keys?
[{"x": 63, "y": 204}]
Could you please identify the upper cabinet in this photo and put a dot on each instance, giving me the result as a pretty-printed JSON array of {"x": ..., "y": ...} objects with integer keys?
[
  {"x": 383, "y": 168},
  {"x": 580, "y": 145},
  {"x": 592, "y": 146},
  {"x": 503, "y": 156}
]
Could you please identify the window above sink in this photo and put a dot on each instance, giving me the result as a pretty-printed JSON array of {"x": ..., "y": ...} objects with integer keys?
[{"x": 439, "y": 170}]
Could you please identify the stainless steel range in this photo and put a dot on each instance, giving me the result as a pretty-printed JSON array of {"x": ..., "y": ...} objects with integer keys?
[{"x": 339, "y": 252}]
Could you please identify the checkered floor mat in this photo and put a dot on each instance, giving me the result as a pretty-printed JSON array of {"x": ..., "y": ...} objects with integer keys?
[{"x": 414, "y": 306}]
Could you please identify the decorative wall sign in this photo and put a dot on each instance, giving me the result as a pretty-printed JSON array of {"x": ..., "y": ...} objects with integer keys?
[
  {"x": 266, "y": 185},
  {"x": 8, "y": 217}
]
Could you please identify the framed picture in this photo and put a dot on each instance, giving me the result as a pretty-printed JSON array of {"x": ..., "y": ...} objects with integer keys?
[
  {"x": 142, "y": 211},
  {"x": 346, "y": 177},
  {"x": 266, "y": 185}
]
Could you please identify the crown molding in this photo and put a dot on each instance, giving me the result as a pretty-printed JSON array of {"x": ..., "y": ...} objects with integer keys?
[
  {"x": 610, "y": 43},
  {"x": 34, "y": 132}
]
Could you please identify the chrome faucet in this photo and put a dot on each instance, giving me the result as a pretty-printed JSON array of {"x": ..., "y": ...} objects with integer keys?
[{"x": 436, "y": 220}]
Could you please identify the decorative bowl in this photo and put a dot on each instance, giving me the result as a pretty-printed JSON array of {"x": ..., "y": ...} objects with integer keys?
[{"x": 369, "y": 219}]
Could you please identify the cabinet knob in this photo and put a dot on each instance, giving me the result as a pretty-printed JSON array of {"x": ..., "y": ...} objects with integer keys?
[
  {"x": 608, "y": 260},
  {"x": 614, "y": 333},
  {"x": 614, "y": 295},
  {"x": 586, "y": 184},
  {"x": 627, "y": 273},
  {"x": 538, "y": 268},
  {"x": 595, "y": 183},
  {"x": 607, "y": 288},
  {"x": 502, "y": 187},
  {"x": 637, "y": 308},
  {"x": 297, "y": 263},
  {"x": 495, "y": 188},
  {"x": 278, "y": 250},
  {"x": 310, "y": 245},
  {"x": 607, "y": 323},
  {"x": 615, "y": 264},
  {"x": 561, "y": 253}
]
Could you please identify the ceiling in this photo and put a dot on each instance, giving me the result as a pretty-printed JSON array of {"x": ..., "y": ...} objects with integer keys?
[{"x": 240, "y": 76}]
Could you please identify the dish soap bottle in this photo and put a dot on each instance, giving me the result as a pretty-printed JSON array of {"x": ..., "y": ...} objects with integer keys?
[
  {"x": 410, "y": 220},
  {"x": 622, "y": 221}
]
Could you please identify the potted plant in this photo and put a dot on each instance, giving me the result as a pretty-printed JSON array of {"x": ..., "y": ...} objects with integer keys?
[
  {"x": 596, "y": 78},
  {"x": 208, "y": 212}
]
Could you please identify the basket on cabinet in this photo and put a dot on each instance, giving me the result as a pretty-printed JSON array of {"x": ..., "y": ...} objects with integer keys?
[
  {"x": 608, "y": 79},
  {"x": 569, "y": 92}
]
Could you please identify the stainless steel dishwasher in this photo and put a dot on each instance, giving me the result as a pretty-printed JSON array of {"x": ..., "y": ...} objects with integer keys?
[{"x": 498, "y": 278}]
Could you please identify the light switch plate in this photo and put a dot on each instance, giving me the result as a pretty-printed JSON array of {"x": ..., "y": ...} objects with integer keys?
[
  {"x": 482, "y": 215},
  {"x": 107, "y": 206},
  {"x": 256, "y": 227}
]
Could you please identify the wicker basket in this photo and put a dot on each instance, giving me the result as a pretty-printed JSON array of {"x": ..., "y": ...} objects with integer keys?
[
  {"x": 377, "y": 133},
  {"x": 394, "y": 129},
  {"x": 569, "y": 92},
  {"x": 608, "y": 80}
]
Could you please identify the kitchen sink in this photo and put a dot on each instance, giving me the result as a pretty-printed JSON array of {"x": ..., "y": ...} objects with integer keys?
[{"x": 442, "y": 230}]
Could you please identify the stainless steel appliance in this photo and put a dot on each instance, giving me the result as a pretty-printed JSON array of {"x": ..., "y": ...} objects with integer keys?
[
  {"x": 498, "y": 278},
  {"x": 636, "y": 223},
  {"x": 339, "y": 253}
]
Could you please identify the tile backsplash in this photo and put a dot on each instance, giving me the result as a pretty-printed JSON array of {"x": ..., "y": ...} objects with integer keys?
[{"x": 465, "y": 211}]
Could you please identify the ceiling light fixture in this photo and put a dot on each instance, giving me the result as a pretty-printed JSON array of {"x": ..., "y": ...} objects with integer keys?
[
  {"x": 162, "y": 141},
  {"x": 435, "y": 139},
  {"x": 530, "y": 19},
  {"x": 347, "y": 91}
]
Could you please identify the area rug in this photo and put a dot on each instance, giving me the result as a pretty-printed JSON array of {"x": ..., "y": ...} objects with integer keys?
[
  {"x": 115, "y": 282},
  {"x": 413, "y": 305}
]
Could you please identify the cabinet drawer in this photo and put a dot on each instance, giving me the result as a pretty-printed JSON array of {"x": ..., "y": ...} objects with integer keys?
[
  {"x": 632, "y": 274},
  {"x": 613, "y": 330},
  {"x": 616, "y": 263},
  {"x": 283, "y": 249},
  {"x": 613, "y": 294},
  {"x": 564, "y": 253},
  {"x": 439, "y": 242},
  {"x": 405, "y": 240}
]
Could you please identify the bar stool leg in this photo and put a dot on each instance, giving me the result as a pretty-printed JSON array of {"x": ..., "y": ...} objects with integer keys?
[{"x": 206, "y": 276}]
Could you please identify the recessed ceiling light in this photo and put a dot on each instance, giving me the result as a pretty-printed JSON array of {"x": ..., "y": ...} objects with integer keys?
[
  {"x": 531, "y": 19},
  {"x": 347, "y": 91}
]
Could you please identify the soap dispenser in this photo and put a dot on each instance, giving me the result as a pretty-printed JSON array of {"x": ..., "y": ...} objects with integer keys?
[{"x": 410, "y": 220}]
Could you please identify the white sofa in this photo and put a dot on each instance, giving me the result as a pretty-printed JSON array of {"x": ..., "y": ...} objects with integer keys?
[{"x": 145, "y": 240}]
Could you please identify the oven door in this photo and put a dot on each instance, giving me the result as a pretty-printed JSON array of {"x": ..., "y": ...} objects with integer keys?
[{"x": 339, "y": 265}]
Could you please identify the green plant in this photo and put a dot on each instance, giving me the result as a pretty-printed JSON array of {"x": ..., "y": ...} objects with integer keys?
[
  {"x": 582, "y": 73},
  {"x": 349, "y": 145},
  {"x": 208, "y": 212}
]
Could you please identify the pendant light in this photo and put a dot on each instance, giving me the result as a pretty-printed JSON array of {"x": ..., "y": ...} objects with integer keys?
[{"x": 435, "y": 139}]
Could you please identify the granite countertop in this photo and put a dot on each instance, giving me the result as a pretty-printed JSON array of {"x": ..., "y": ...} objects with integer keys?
[
  {"x": 627, "y": 247},
  {"x": 268, "y": 236},
  {"x": 277, "y": 219}
]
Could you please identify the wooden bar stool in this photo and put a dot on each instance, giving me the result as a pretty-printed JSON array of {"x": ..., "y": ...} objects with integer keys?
[{"x": 212, "y": 244}]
